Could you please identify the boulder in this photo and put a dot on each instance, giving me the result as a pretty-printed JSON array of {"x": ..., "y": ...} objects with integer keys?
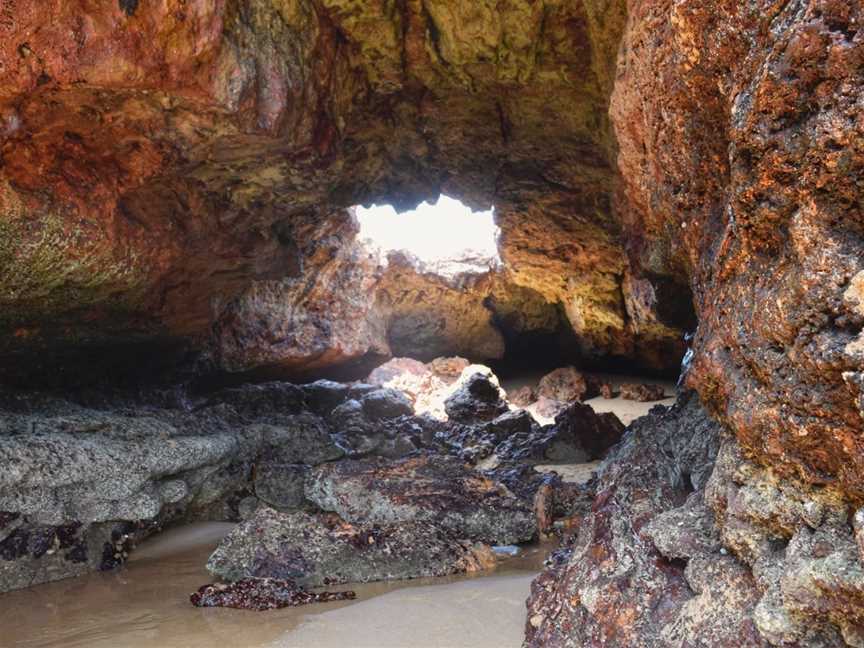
[
  {"x": 323, "y": 549},
  {"x": 301, "y": 438},
  {"x": 476, "y": 442},
  {"x": 606, "y": 390},
  {"x": 383, "y": 404},
  {"x": 427, "y": 385},
  {"x": 546, "y": 409},
  {"x": 565, "y": 384},
  {"x": 448, "y": 367},
  {"x": 585, "y": 598},
  {"x": 428, "y": 488},
  {"x": 479, "y": 398},
  {"x": 581, "y": 427},
  {"x": 281, "y": 485},
  {"x": 523, "y": 396},
  {"x": 405, "y": 374}
]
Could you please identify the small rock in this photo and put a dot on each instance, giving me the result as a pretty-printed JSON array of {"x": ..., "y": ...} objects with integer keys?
[
  {"x": 580, "y": 426},
  {"x": 262, "y": 594},
  {"x": 478, "y": 399},
  {"x": 523, "y": 396},
  {"x": 451, "y": 367},
  {"x": 383, "y": 404}
]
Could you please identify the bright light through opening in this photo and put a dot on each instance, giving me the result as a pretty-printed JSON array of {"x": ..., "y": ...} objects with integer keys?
[{"x": 447, "y": 237}]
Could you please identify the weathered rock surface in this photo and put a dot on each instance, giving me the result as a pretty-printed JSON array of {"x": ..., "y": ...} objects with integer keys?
[
  {"x": 738, "y": 129},
  {"x": 438, "y": 489},
  {"x": 565, "y": 384},
  {"x": 580, "y": 426},
  {"x": 478, "y": 397},
  {"x": 316, "y": 550},
  {"x": 523, "y": 396},
  {"x": 82, "y": 483},
  {"x": 613, "y": 586},
  {"x": 717, "y": 551},
  {"x": 262, "y": 594},
  {"x": 642, "y": 392}
]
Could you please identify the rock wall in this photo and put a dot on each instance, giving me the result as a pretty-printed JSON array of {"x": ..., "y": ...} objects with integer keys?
[
  {"x": 718, "y": 551},
  {"x": 739, "y": 133},
  {"x": 347, "y": 307},
  {"x": 737, "y": 129}
]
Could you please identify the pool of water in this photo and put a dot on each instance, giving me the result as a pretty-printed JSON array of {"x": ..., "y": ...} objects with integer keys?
[{"x": 146, "y": 605}]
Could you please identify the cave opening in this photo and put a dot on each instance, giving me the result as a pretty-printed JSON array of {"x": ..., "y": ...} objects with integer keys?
[
  {"x": 446, "y": 238},
  {"x": 447, "y": 290}
]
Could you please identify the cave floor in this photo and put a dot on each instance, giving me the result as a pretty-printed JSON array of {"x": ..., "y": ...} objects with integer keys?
[{"x": 146, "y": 603}]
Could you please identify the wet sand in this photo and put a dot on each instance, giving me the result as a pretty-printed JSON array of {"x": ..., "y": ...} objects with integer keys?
[
  {"x": 481, "y": 613},
  {"x": 146, "y": 605}
]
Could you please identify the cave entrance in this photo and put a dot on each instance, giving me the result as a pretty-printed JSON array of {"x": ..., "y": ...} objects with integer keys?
[{"x": 446, "y": 238}]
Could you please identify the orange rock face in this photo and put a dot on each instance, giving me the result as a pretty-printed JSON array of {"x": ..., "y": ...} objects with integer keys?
[{"x": 764, "y": 209}]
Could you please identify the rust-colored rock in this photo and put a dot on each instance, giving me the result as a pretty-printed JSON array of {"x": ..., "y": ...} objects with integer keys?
[
  {"x": 437, "y": 489},
  {"x": 738, "y": 129},
  {"x": 262, "y": 594},
  {"x": 565, "y": 384},
  {"x": 606, "y": 391},
  {"x": 523, "y": 396}
]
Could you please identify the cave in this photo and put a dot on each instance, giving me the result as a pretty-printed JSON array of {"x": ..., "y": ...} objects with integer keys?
[{"x": 551, "y": 311}]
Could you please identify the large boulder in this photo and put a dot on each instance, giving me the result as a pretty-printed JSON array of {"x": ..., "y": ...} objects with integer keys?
[
  {"x": 580, "y": 426},
  {"x": 427, "y": 385},
  {"x": 322, "y": 549},
  {"x": 427, "y": 488}
]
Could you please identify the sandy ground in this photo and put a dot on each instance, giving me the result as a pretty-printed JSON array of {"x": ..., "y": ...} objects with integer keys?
[{"x": 482, "y": 613}]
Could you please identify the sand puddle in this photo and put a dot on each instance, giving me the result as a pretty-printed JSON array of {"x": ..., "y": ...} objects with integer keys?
[{"x": 146, "y": 605}]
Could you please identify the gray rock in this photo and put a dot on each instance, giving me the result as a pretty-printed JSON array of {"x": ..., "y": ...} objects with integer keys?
[
  {"x": 281, "y": 485},
  {"x": 316, "y": 550},
  {"x": 438, "y": 489},
  {"x": 385, "y": 404},
  {"x": 300, "y": 438}
]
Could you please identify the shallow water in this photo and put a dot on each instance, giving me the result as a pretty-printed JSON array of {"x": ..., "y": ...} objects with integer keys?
[{"x": 146, "y": 605}]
